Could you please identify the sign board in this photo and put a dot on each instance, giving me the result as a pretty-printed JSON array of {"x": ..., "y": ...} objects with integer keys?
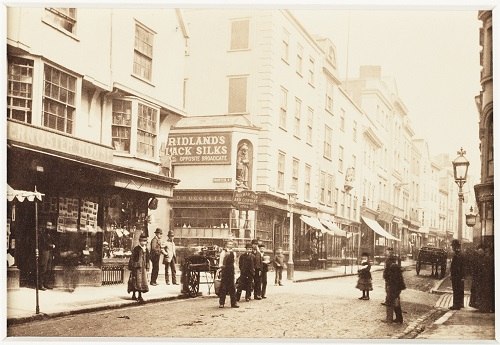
[
  {"x": 222, "y": 179},
  {"x": 245, "y": 200},
  {"x": 199, "y": 148}
]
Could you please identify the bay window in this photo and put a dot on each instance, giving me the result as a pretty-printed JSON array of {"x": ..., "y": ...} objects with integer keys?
[{"x": 19, "y": 89}]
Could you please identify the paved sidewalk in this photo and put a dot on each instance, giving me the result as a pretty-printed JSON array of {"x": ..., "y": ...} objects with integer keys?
[{"x": 21, "y": 303}]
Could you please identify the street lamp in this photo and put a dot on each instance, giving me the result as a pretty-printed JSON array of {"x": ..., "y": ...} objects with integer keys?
[
  {"x": 470, "y": 218},
  {"x": 292, "y": 198},
  {"x": 460, "y": 167}
]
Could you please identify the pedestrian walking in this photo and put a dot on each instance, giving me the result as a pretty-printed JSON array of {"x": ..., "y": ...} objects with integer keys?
[
  {"x": 257, "y": 277},
  {"x": 395, "y": 284},
  {"x": 457, "y": 276},
  {"x": 265, "y": 268},
  {"x": 155, "y": 256},
  {"x": 247, "y": 270},
  {"x": 279, "y": 263},
  {"x": 227, "y": 277},
  {"x": 138, "y": 265},
  {"x": 365, "y": 277},
  {"x": 389, "y": 260},
  {"x": 170, "y": 258}
]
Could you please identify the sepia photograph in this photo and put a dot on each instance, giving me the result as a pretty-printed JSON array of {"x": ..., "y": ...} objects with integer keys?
[{"x": 249, "y": 172}]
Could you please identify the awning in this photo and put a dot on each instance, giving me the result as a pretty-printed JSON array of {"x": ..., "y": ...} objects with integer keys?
[
  {"x": 21, "y": 195},
  {"x": 335, "y": 229},
  {"x": 375, "y": 226},
  {"x": 313, "y": 222}
]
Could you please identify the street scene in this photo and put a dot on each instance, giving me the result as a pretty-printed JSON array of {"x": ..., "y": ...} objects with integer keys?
[{"x": 250, "y": 173}]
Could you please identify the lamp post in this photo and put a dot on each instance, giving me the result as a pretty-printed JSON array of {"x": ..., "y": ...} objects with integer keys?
[
  {"x": 470, "y": 220},
  {"x": 460, "y": 167},
  {"x": 292, "y": 198}
]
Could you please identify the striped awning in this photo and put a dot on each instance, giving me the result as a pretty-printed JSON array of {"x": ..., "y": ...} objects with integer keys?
[
  {"x": 375, "y": 226},
  {"x": 22, "y": 195}
]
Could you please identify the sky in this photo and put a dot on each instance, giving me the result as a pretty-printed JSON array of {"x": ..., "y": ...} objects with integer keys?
[{"x": 432, "y": 54}]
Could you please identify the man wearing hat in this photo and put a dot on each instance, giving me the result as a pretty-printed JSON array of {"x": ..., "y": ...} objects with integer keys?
[
  {"x": 170, "y": 258},
  {"x": 257, "y": 257},
  {"x": 389, "y": 260},
  {"x": 457, "y": 276},
  {"x": 247, "y": 271},
  {"x": 266, "y": 260},
  {"x": 155, "y": 256}
]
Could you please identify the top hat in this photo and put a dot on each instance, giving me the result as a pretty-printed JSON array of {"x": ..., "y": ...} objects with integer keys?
[{"x": 158, "y": 231}]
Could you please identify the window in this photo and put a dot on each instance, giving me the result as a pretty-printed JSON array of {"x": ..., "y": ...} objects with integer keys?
[
  {"x": 147, "y": 120},
  {"x": 335, "y": 201},
  {"x": 240, "y": 34},
  {"x": 355, "y": 208},
  {"x": 295, "y": 174},
  {"x": 296, "y": 127},
  {"x": 341, "y": 159},
  {"x": 348, "y": 204},
  {"x": 311, "y": 71},
  {"x": 490, "y": 147},
  {"x": 300, "y": 52},
  {"x": 309, "y": 130},
  {"x": 329, "y": 97},
  {"x": 329, "y": 187},
  {"x": 134, "y": 127},
  {"x": 19, "y": 89},
  {"x": 283, "y": 108},
  {"x": 281, "y": 172},
  {"x": 342, "y": 205},
  {"x": 285, "y": 45},
  {"x": 307, "y": 182},
  {"x": 355, "y": 131},
  {"x": 322, "y": 183},
  {"x": 342, "y": 120},
  {"x": 143, "y": 52},
  {"x": 237, "y": 95},
  {"x": 64, "y": 18},
  {"x": 327, "y": 147},
  {"x": 122, "y": 124},
  {"x": 58, "y": 100}
]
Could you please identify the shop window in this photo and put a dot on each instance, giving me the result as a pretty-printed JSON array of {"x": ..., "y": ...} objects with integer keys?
[
  {"x": 19, "y": 89},
  {"x": 135, "y": 127},
  {"x": 59, "y": 100},
  {"x": 63, "y": 18},
  {"x": 207, "y": 223},
  {"x": 143, "y": 52}
]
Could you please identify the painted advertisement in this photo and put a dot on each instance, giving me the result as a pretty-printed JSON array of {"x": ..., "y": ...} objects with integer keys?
[{"x": 199, "y": 148}]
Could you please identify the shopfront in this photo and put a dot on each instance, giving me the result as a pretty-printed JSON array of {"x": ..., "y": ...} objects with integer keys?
[{"x": 93, "y": 211}]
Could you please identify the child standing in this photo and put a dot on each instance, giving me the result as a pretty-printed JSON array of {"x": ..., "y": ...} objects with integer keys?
[
  {"x": 279, "y": 263},
  {"x": 365, "y": 277}
]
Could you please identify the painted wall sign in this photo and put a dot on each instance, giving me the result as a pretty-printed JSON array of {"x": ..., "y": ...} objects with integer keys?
[
  {"x": 201, "y": 148},
  {"x": 58, "y": 142},
  {"x": 245, "y": 200}
]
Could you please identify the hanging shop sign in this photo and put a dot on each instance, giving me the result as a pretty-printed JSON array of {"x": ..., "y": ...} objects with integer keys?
[
  {"x": 201, "y": 148},
  {"x": 245, "y": 200},
  {"x": 44, "y": 138}
]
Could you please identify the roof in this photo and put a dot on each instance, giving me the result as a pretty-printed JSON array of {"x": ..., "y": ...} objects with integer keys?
[{"x": 214, "y": 121}]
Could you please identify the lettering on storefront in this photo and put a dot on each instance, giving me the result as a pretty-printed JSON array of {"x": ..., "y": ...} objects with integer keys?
[
  {"x": 245, "y": 200},
  {"x": 202, "y": 197},
  {"x": 61, "y": 143},
  {"x": 203, "y": 148}
]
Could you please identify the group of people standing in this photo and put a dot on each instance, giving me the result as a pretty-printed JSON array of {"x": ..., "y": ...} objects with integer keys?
[
  {"x": 253, "y": 265},
  {"x": 139, "y": 263}
]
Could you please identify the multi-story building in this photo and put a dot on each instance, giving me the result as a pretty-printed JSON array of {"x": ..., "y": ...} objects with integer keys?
[
  {"x": 274, "y": 94},
  {"x": 484, "y": 191},
  {"x": 91, "y": 96}
]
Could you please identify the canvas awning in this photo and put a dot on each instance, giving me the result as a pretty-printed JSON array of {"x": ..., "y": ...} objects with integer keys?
[
  {"x": 335, "y": 229},
  {"x": 313, "y": 222},
  {"x": 375, "y": 226},
  {"x": 22, "y": 195}
]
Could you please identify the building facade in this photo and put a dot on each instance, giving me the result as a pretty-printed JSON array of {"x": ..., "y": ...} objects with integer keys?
[{"x": 91, "y": 96}]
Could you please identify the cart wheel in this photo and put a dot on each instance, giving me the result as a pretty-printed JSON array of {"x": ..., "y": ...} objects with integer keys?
[
  {"x": 417, "y": 267},
  {"x": 193, "y": 283},
  {"x": 443, "y": 270}
]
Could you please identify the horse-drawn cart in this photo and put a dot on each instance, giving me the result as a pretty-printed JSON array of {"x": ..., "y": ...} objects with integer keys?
[
  {"x": 197, "y": 266},
  {"x": 436, "y": 257}
]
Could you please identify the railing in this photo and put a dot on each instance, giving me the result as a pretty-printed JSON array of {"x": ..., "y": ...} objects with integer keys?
[{"x": 112, "y": 275}]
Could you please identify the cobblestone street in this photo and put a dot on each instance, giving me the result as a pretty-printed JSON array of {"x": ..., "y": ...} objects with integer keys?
[{"x": 317, "y": 309}]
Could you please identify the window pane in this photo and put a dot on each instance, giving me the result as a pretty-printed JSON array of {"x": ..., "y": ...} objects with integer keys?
[
  {"x": 237, "y": 95},
  {"x": 239, "y": 34}
]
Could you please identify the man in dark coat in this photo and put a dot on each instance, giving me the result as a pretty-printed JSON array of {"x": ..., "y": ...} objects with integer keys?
[
  {"x": 155, "y": 256},
  {"x": 457, "y": 276},
  {"x": 389, "y": 259},
  {"x": 47, "y": 246},
  {"x": 258, "y": 270},
  {"x": 227, "y": 277},
  {"x": 265, "y": 268},
  {"x": 247, "y": 270},
  {"x": 395, "y": 284}
]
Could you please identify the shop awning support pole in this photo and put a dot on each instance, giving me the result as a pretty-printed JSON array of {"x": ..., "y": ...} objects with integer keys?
[{"x": 37, "y": 310}]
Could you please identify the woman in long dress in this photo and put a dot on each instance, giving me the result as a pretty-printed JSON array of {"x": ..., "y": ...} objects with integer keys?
[{"x": 139, "y": 265}]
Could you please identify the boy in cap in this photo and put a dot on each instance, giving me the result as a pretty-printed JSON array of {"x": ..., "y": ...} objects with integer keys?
[
  {"x": 155, "y": 256},
  {"x": 170, "y": 258},
  {"x": 279, "y": 263},
  {"x": 247, "y": 270}
]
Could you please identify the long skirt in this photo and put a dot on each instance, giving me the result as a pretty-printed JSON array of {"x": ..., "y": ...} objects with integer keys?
[
  {"x": 138, "y": 281},
  {"x": 364, "y": 284}
]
